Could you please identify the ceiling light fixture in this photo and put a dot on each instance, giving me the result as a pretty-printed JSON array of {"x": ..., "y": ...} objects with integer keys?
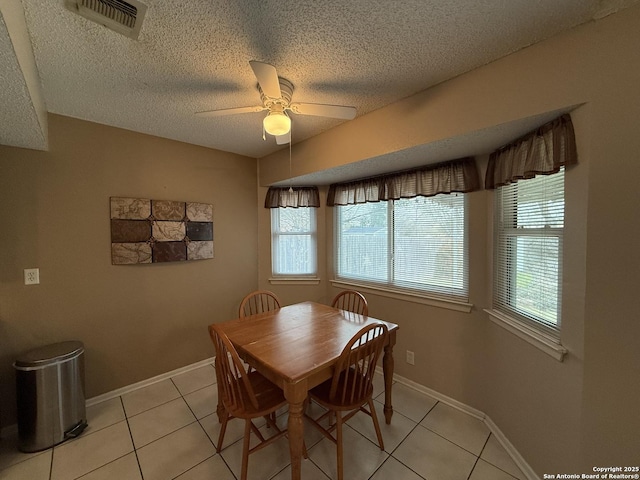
[{"x": 276, "y": 123}]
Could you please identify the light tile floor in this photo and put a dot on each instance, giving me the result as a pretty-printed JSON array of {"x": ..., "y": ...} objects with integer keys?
[{"x": 167, "y": 431}]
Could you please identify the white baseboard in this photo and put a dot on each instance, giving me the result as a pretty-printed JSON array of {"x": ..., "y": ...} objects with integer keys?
[
  {"x": 520, "y": 462},
  {"x": 10, "y": 430},
  {"x": 147, "y": 382},
  {"x": 511, "y": 450},
  {"x": 440, "y": 397}
]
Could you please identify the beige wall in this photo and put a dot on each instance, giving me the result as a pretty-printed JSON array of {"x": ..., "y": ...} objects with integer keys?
[
  {"x": 140, "y": 321},
  {"x": 136, "y": 321},
  {"x": 562, "y": 417}
]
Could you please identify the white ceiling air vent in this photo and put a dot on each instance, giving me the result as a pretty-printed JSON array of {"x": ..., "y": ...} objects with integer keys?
[{"x": 117, "y": 15}]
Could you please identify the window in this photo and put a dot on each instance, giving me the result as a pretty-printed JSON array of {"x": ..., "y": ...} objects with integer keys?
[
  {"x": 293, "y": 241},
  {"x": 416, "y": 244},
  {"x": 529, "y": 222}
]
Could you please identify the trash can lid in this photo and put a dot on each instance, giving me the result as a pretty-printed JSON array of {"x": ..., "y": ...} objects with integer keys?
[{"x": 53, "y": 353}]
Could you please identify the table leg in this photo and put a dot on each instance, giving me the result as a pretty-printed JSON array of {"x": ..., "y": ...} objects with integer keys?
[
  {"x": 387, "y": 369},
  {"x": 296, "y": 395}
]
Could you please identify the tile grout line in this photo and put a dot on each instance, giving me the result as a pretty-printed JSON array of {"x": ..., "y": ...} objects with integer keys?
[
  {"x": 490, "y": 463},
  {"x": 478, "y": 457},
  {"x": 451, "y": 441},
  {"x": 390, "y": 454},
  {"x": 203, "y": 429},
  {"x": 417, "y": 424},
  {"x": 51, "y": 465},
  {"x": 135, "y": 450},
  {"x": 196, "y": 420},
  {"x": 310, "y": 460},
  {"x": 454, "y": 443},
  {"x": 199, "y": 424}
]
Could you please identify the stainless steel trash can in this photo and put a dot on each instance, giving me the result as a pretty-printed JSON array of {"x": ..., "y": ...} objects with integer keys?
[{"x": 50, "y": 395}]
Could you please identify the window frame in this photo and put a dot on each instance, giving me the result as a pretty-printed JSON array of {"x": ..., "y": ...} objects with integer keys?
[
  {"x": 537, "y": 332},
  {"x": 276, "y": 234},
  {"x": 458, "y": 301}
]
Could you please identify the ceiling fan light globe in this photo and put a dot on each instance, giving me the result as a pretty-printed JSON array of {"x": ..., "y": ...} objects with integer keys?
[{"x": 276, "y": 123}]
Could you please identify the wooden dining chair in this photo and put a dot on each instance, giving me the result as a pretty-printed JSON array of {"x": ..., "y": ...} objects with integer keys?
[
  {"x": 351, "y": 387},
  {"x": 244, "y": 395},
  {"x": 258, "y": 302},
  {"x": 351, "y": 301}
]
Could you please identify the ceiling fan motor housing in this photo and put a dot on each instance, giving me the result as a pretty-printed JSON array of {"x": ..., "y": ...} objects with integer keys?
[{"x": 286, "y": 91}]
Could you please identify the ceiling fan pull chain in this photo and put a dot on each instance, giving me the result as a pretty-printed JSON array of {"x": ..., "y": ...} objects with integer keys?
[
  {"x": 264, "y": 136},
  {"x": 290, "y": 179}
]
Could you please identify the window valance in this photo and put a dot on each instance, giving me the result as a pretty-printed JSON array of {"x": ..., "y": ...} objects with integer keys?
[
  {"x": 292, "y": 197},
  {"x": 542, "y": 151},
  {"x": 453, "y": 176}
]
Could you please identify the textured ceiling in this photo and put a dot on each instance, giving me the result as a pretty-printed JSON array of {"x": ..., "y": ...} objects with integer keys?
[
  {"x": 193, "y": 56},
  {"x": 22, "y": 109}
]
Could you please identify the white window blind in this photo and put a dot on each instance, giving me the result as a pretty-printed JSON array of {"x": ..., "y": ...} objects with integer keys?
[
  {"x": 418, "y": 244},
  {"x": 529, "y": 226},
  {"x": 293, "y": 241}
]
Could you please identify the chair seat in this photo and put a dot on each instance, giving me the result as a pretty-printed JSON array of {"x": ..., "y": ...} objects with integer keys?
[
  {"x": 322, "y": 394},
  {"x": 269, "y": 396}
]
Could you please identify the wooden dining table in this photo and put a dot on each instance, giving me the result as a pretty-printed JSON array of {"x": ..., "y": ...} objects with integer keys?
[{"x": 296, "y": 347}]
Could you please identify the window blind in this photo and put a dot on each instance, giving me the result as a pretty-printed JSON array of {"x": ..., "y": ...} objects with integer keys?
[
  {"x": 529, "y": 224},
  {"x": 293, "y": 241},
  {"x": 429, "y": 245},
  {"x": 417, "y": 244}
]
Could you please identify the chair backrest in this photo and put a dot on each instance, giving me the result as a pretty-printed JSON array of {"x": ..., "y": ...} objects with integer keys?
[
  {"x": 352, "y": 381},
  {"x": 258, "y": 302},
  {"x": 234, "y": 385},
  {"x": 351, "y": 301}
]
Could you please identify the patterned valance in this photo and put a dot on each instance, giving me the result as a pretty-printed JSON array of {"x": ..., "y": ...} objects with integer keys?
[
  {"x": 542, "y": 151},
  {"x": 292, "y": 197},
  {"x": 448, "y": 177}
]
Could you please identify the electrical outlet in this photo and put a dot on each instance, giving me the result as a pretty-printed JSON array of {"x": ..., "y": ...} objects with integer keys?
[
  {"x": 410, "y": 358},
  {"x": 31, "y": 276}
]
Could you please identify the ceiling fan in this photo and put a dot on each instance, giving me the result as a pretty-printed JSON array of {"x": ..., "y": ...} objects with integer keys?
[{"x": 276, "y": 93}]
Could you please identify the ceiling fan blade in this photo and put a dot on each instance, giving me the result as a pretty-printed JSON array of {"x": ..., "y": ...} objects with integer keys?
[
  {"x": 230, "y": 111},
  {"x": 320, "y": 110},
  {"x": 283, "y": 139},
  {"x": 267, "y": 78}
]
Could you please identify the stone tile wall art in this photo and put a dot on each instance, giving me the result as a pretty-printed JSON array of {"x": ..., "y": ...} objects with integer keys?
[{"x": 153, "y": 231}]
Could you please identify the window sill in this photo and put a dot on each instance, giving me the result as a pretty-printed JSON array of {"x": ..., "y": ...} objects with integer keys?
[
  {"x": 406, "y": 296},
  {"x": 294, "y": 280},
  {"x": 546, "y": 343}
]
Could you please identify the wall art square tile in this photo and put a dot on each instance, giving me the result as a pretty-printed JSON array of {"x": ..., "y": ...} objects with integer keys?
[{"x": 154, "y": 231}]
